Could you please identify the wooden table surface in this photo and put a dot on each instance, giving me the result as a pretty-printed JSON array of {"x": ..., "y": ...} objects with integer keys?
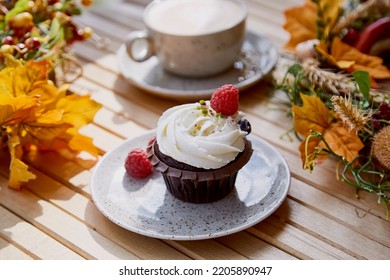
[{"x": 54, "y": 216}]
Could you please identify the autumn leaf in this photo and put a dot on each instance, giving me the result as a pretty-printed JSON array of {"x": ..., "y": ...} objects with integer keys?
[
  {"x": 311, "y": 21},
  {"x": 14, "y": 110},
  {"x": 312, "y": 116},
  {"x": 345, "y": 56},
  {"x": 300, "y": 23},
  {"x": 19, "y": 172},
  {"x": 78, "y": 110},
  {"x": 35, "y": 113},
  {"x": 315, "y": 117},
  {"x": 343, "y": 141}
]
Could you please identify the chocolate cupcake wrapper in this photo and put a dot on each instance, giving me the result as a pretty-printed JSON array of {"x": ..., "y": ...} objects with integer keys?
[
  {"x": 202, "y": 174},
  {"x": 201, "y": 185}
]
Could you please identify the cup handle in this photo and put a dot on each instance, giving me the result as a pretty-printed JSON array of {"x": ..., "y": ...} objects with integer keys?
[{"x": 142, "y": 41}]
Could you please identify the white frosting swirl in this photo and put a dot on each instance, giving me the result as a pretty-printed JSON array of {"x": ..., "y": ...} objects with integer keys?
[{"x": 198, "y": 136}]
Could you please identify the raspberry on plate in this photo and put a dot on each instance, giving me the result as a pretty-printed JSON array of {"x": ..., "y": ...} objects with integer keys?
[
  {"x": 137, "y": 164},
  {"x": 225, "y": 100}
]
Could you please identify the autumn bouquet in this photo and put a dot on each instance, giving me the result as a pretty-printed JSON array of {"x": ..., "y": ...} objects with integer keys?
[
  {"x": 36, "y": 109},
  {"x": 334, "y": 74}
]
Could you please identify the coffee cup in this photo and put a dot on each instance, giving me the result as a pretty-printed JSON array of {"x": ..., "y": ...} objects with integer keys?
[{"x": 192, "y": 38}]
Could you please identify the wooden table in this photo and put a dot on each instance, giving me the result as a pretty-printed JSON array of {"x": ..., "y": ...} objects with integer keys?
[{"x": 54, "y": 216}]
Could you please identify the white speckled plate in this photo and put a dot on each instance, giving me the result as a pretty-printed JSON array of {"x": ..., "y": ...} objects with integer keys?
[
  {"x": 257, "y": 59},
  {"x": 146, "y": 207}
]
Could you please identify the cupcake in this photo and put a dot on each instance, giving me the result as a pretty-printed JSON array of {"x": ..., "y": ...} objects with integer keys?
[{"x": 200, "y": 147}]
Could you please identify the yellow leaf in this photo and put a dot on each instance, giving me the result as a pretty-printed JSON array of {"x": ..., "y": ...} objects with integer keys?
[
  {"x": 343, "y": 141},
  {"x": 313, "y": 115},
  {"x": 14, "y": 110},
  {"x": 34, "y": 113},
  {"x": 19, "y": 172},
  {"x": 81, "y": 143},
  {"x": 78, "y": 110},
  {"x": 331, "y": 12},
  {"x": 300, "y": 23}
]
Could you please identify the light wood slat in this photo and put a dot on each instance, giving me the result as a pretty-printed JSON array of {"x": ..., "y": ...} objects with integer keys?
[
  {"x": 75, "y": 174},
  {"x": 117, "y": 124},
  {"x": 118, "y": 104},
  {"x": 341, "y": 212},
  {"x": 121, "y": 86},
  {"x": 254, "y": 248},
  {"x": 206, "y": 250},
  {"x": 332, "y": 232},
  {"x": 295, "y": 241},
  {"x": 277, "y": 36},
  {"x": 277, "y": 5},
  {"x": 124, "y": 14},
  {"x": 83, "y": 208},
  {"x": 34, "y": 241},
  {"x": 102, "y": 139},
  {"x": 103, "y": 27},
  {"x": 9, "y": 252},
  {"x": 60, "y": 225},
  {"x": 105, "y": 58}
]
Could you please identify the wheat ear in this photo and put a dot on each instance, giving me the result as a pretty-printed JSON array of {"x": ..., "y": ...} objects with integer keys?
[
  {"x": 336, "y": 83},
  {"x": 360, "y": 11}
]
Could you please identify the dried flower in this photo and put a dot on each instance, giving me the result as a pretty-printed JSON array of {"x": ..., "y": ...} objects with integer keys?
[
  {"x": 349, "y": 112},
  {"x": 381, "y": 147}
]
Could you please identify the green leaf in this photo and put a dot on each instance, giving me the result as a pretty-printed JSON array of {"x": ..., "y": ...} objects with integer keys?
[
  {"x": 295, "y": 69},
  {"x": 20, "y": 6},
  {"x": 363, "y": 80}
]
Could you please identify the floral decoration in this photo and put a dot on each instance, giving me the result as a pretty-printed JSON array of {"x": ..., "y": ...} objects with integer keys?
[
  {"x": 334, "y": 73},
  {"x": 37, "y": 111}
]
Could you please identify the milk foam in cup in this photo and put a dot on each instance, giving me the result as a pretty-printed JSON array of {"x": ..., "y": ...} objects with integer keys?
[{"x": 193, "y": 38}]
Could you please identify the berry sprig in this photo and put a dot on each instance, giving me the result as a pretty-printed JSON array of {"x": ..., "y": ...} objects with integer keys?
[
  {"x": 381, "y": 116},
  {"x": 29, "y": 29}
]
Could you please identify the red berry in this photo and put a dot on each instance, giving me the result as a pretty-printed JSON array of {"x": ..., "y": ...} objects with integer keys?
[
  {"x": 137, "y": 164},
  {"x": 32, "y": 43},
  {"x": 7, "y": 40},
  {"x": 351, "y": 37},
  {"x": 225, "y": 100}
]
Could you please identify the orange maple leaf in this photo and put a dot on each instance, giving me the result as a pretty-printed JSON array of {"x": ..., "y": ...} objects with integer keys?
[
  {"x": 343, "y": 141},
  {"x": 347, "y": 57},
  {"x": 315, "y": 117}
]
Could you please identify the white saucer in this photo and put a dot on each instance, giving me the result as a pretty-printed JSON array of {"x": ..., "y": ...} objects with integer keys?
[
  {"x": 257, "y": 59},
  {"x": 146, "y": 207}
]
